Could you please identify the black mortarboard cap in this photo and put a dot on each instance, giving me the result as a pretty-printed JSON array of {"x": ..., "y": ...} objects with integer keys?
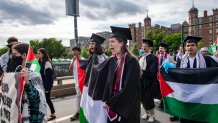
[
  {"x": 120, "y": 32},
  {"x": 149, "y": 42},
  {"x": 97, "y": 39},
  {"x": 162, "y": 45},
  {"x": 192, "y": 39}
]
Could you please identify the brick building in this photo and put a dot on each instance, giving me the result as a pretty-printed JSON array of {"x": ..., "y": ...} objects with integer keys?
[
  {"x": 138, "y": 33},
  {"x": 209, "y": 32}
]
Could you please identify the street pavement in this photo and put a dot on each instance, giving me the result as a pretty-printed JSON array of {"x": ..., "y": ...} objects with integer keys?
[{"x": 65, "y": 107}]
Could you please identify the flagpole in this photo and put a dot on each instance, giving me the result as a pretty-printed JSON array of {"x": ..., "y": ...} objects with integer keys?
[{"x": 27, "y": 56}]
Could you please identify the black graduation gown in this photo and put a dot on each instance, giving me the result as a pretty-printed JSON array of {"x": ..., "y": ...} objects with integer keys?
[
  {"x": 149, "y": 82},
  {"x": 88, "y": 65},
  {"x": 126, "y": 103},
  {"x": 209, "y": 63}
]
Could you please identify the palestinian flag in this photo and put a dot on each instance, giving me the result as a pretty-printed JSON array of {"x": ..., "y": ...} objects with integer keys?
[
  {"x": 91, "y": 105},
  {"x": 191, "y": 93},
  {"x": 31, "y": 61},
  {"x": 213, "y": 48},
  {"x": 79, "y": 75}
]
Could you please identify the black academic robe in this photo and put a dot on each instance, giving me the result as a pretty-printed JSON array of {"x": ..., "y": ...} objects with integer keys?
[
  {"x": 149, "y": 82},
  {"x": 210, "y": 62},
  {"x": 126, "y": 103},
  {"x": 88, "y": 65}
]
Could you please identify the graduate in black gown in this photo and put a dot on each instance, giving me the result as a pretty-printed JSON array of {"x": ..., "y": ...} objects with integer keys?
[
  {"x": 96, "y": 55},
  {"x": 149, "y": 68},
  {"x": 194, "y": 59},
  {"x": 117, "y": 81}
]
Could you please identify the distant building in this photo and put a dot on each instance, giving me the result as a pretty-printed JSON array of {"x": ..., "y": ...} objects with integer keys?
[
  {"x": 105, "y": 35},
  {"x": 209, "y": 32},
  {"x": 138, "y": 33},
  {"x": 84, "y": 41}
]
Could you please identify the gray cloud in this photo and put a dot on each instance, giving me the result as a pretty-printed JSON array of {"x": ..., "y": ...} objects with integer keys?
[
  {"x": 101, "y": 10},
  {"x": 24, "y": 14}
]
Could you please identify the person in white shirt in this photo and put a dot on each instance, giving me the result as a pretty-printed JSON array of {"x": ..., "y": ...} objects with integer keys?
[{"x": 73, "y": 67}]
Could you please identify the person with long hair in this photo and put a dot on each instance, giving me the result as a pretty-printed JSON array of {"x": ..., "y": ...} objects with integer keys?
[
  {"x": 118, "y": 80},
  {"x": 46, "y": 74},
  {"x": 33, "y": 98}
]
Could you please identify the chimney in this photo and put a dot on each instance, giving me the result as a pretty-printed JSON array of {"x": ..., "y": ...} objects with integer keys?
[
  {"x": 140, "y": 24},
  {"x": 205, "y": 13}
]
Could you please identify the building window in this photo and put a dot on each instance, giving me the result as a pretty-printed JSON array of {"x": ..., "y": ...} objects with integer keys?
[
  {"x": 210, "y": 25},
  {"x": 200, "y": 20},
  {"x": 216, "y": 30},
  {"x": 200, "y": 32},
  {"x": 200, "y": 26},
  {"x": 210, "y": 19},
  {"x": 210, "y": 31},
  {"x": 211, "y": 37},
  {"x": 216, "y": 17},
  {"x": 217, "y": 24},
  {"x": 210, "y": 42}
]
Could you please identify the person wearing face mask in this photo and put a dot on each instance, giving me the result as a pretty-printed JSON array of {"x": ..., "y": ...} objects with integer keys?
[
  {"x": 117, "y": 80},
  {"x": 149, "y": 67},
  {"x": 33, "y": 99},
  {"x": 5, "y": 59}
]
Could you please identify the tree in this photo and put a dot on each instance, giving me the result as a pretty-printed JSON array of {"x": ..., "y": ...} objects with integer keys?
[
  {"x": 35, "y": 44},
  {"x": 108, "y": 52},
  {"x": 3, "y": 50},
  {"x": 173, "y": 41},
  {"x": 157, "y": 35},
  {"x": 135, "y": 49},
  {"x": 85, "y": 53},
  {"x": 201, "y": 44},
  {"x": 53, "y": 46}
]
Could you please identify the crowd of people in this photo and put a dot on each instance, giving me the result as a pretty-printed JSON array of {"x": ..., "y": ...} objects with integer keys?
[{"x": 129, "y": 81}]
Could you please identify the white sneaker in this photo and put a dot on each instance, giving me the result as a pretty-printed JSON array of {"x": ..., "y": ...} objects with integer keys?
[
  {"x": 151, "y": 119},
  {"x": 145, "y": 117}
]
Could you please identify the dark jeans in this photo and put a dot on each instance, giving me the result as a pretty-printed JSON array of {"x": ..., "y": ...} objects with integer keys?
[{"x": 49, "y": 102}]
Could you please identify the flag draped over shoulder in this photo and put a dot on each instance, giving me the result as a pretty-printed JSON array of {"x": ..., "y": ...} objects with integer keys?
[
  {"x": 80, "y": 75},
  {"x": 190, "y": 93},
  {"x": 91, "y": 106},
  {"x": 213, "y": 47},
  {"x": 31, "y": 61}
]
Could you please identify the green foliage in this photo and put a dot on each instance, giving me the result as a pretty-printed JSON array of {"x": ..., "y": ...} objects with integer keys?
[
  {"x": 53, "y": 46},
  {"x": 108, "y": 52},
  {"x": 85, "y": 53},
  {"x": 135, "y": 49},
  {"x": 3, "y": 50},
  {"x": 201, "y": 44},
  {"x": 173, "y": 40},
  {"x": 158, "y": 35}
]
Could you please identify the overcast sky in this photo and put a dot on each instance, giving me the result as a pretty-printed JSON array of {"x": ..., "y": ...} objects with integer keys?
[{"x": 37, "y": 19}]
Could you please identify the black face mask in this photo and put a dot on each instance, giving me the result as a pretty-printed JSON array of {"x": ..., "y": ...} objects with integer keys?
[{"x": 17, "y": 60}]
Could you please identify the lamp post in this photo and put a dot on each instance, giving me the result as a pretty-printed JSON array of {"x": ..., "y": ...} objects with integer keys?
[{"x": 72, "y": 9}]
